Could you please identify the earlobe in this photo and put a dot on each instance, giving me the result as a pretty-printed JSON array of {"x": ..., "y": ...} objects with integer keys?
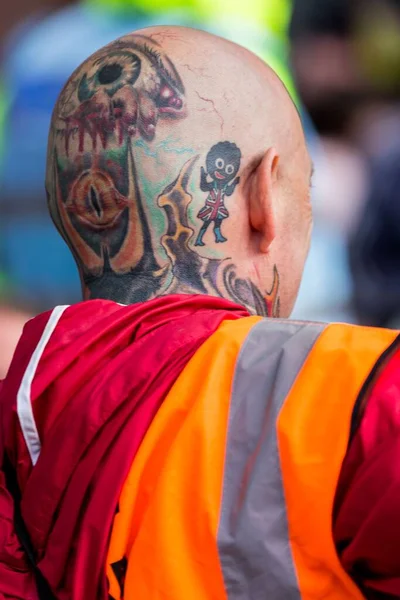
[{"x": 261, "y": 200}]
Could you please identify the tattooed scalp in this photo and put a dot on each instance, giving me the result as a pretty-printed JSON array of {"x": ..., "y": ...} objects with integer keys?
[{"x": 145, "y": 186}]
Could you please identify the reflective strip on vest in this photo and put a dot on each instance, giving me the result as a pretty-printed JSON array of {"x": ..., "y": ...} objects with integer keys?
[
  {"x": 253, "y": 539},
  {"x": 24, "y": 402}
]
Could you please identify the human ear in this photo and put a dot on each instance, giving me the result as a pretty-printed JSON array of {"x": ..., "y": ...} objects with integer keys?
[{"x": 261, "y": 198}]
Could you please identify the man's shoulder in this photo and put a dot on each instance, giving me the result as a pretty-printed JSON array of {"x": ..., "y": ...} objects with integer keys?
[
  {"x": 340, "y": 345},
  {"x": 62, "y": 321}
]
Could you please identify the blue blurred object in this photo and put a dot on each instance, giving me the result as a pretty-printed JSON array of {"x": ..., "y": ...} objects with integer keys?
[
  {"x": 41, "y": 262},
  {"x": 374, "y": 248},
  {"x": 326, "y": 287}
]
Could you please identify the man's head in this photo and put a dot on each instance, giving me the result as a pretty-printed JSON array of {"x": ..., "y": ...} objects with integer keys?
[{"x": 177, "y": 164}]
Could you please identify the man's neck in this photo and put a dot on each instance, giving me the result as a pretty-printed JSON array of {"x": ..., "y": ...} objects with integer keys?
[{"x": 190, "y": 274}]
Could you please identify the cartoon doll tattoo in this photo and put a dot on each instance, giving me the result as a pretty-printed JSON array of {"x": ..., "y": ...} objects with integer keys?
[{"x": 222, "y": 163}]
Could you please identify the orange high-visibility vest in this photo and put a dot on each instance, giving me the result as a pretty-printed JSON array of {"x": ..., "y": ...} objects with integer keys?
[{"x": 231, "y": 494}]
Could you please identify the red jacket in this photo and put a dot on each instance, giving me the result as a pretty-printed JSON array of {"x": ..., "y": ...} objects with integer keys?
[{"x": 94, "y": 388}]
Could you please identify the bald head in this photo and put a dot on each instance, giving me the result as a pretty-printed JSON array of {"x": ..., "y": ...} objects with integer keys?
[{"x": 177, "y": 164}]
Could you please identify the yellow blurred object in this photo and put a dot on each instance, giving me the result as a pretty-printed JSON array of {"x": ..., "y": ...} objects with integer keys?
[
  {"x": 273, "y": 14},
  {"x": 377, "y": 44},
  {"x": 259, "y": 25}
]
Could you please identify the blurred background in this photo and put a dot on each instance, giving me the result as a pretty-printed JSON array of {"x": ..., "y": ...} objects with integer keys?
[{"x": 340, "y": 60}]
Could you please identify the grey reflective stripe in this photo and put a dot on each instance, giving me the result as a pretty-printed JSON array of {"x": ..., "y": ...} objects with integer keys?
[{"x": 253, "y": 542}]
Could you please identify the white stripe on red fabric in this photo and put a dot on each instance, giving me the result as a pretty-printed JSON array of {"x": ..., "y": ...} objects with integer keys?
[{"x": 24, "y": 403}]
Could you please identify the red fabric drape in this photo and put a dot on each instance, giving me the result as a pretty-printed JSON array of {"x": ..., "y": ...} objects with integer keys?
[
  {"x": 100, "y": 381},
  {"x": 367, "y": 516}
]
